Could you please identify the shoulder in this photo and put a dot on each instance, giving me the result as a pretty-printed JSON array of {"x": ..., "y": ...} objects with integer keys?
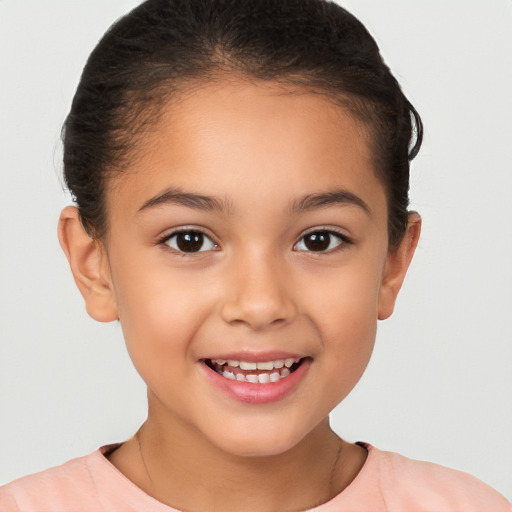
[
  {"x": 70, "y": 485},
  {"x": 407, "y": 483}
]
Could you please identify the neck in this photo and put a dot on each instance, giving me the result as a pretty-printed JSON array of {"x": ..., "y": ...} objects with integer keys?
[{"x": 179, "y": 467}]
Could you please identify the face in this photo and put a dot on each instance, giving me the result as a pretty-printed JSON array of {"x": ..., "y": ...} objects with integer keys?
[{"x": 248, "y": 254}]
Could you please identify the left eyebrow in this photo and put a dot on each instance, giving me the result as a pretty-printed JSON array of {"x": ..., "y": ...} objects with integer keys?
[{"x": 327, "y": 199}]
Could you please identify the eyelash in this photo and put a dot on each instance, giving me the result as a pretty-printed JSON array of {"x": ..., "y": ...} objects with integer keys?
[
  {"x": 186, "y": 230},
  {"x": 342, "y": 238}
]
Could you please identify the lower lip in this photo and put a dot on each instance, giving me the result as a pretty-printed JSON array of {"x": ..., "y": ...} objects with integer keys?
[{"x": 258, "y": 393}]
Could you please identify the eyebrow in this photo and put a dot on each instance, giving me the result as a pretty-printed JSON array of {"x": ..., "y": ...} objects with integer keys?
[
  {"x": 328, "y": 199},
  {"x": 188, "y": 199},
  {"x": 208, "y": 203}
]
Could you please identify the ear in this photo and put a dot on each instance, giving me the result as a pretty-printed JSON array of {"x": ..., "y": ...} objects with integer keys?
[
  {"x": 396, "y": 266},
  {"x": 89, "y": 264}
]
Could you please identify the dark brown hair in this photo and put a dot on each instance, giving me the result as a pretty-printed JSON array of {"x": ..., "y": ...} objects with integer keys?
[{"x": 163, "y": 46}]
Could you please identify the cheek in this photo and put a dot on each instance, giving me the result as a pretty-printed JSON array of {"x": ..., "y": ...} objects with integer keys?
[
  {"x": 344, "y": 310},
  {"x": 349, "y": 340},
  {"x": 157, "y": 319},
  {"x": 346, "y": 299},
  {"x": 348, "y": 346}
]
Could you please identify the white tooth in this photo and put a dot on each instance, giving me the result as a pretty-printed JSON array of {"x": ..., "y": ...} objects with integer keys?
[
  {"x": 228, "y": 375},
  {"x": 244, "y": 365},
  {"x": 279, "y": 363},
  {"x": 274, "y": 377},
  {"x": 288, "y": 362},
  {"x": 234, "y": 364},
  {"x": 285, "y": 372},
  {"x": 220, "y": 361},
  {"x": 251, "y": 378},
  {"x": 267, "y": 365},
  {"x": 240, "y": 377},
  {"x": 263, "y": 378}
]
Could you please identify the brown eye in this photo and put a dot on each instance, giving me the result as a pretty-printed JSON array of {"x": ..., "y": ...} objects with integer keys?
[
  {"x": 190, "y": 241},
  {"x": 319, "y": 241}
]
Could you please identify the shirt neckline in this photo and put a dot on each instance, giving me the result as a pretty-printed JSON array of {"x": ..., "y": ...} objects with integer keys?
[{"x": 99, "y": 459}]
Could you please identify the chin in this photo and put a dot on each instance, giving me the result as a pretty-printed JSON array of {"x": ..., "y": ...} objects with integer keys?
[{"x": 259, "y": 442}]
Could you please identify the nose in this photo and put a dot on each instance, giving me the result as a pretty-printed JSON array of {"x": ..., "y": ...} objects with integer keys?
[{"x": 258, "y": 294}]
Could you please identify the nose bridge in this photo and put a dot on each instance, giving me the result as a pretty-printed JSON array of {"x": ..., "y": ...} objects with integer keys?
[{"x": 257, "y": 292}]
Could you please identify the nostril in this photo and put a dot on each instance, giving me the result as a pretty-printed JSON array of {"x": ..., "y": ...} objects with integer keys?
[
  {"x": 258, "y": 314},
  {"x": 257, "y": 297}
]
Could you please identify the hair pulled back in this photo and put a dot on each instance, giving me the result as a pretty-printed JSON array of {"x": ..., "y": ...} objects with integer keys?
[{"x": 161, "y": 46}]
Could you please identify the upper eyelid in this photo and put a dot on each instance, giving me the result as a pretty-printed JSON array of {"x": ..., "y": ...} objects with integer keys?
[
  {"x": 344, "y": 239},
  {"x": 185, "y": 229},
  {"x": 163, "y": 241},
  {"x": 339, "y": 232}
]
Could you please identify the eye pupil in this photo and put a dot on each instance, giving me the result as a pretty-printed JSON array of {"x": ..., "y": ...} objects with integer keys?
[
  {"x": 318, "y": 241},
  {"x": 191, "y": 241}
]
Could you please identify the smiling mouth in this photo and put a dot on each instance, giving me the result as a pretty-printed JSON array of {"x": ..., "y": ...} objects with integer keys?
[{"x": 262, "y": 372}]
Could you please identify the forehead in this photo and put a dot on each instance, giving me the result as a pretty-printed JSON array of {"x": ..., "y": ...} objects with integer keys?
[{"x": 250, "y": 141}]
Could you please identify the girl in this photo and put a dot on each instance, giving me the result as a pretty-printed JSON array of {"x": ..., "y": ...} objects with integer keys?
[{"x": 241, "y": 173}]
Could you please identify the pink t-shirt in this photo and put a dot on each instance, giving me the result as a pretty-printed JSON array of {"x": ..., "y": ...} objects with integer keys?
[{"x": 387, "y": 482}]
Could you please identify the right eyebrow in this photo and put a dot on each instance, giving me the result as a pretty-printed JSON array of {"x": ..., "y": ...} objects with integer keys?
[{"x": 189, "y": 199}]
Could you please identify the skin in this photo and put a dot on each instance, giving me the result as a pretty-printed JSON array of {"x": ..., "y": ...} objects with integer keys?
[{"x": 257, "y": 149}]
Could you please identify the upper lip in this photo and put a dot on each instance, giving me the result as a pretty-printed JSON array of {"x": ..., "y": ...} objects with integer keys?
[{"x": 254, "y": 357}]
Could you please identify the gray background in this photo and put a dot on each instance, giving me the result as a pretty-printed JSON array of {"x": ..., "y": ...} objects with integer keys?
[{"x": 439, "y": 386}]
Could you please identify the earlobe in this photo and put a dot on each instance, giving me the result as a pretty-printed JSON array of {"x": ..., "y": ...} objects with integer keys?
[
  {"x": 89, "y": 264},
  {"x": 397, "y": 263}
]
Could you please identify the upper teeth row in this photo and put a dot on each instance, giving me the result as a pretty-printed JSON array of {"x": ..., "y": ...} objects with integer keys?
[{"x": 263, "y": 365}]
